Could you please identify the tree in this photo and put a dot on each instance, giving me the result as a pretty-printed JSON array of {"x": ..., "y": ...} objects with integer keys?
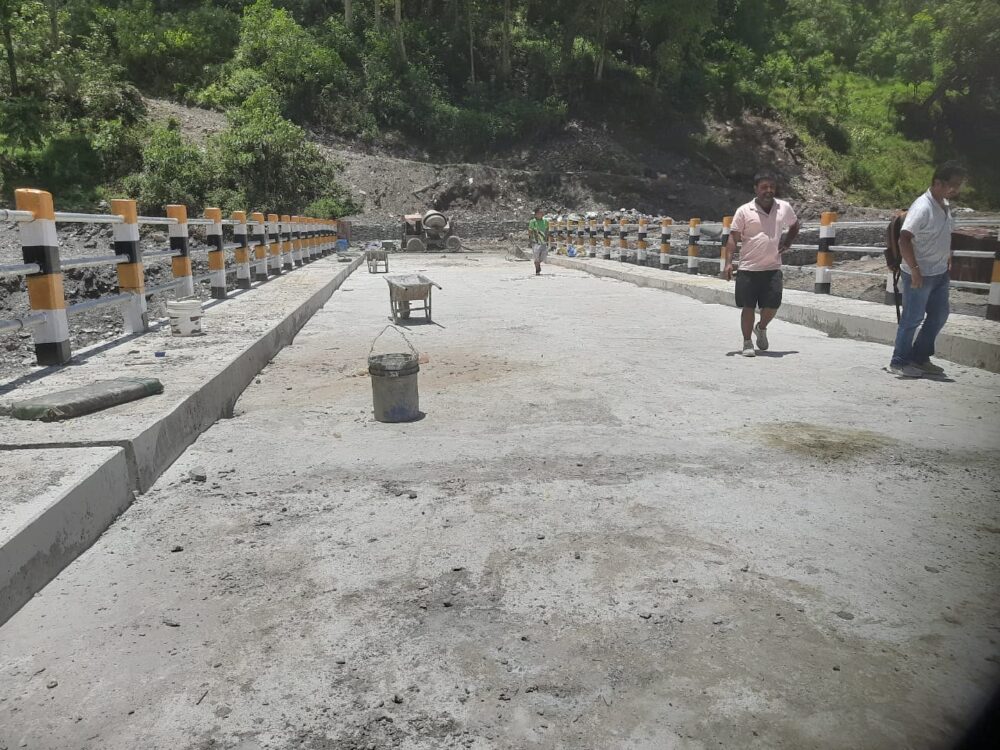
[{"x": 7, "y": 10}]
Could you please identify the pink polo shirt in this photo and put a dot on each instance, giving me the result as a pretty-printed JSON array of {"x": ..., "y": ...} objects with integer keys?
[{"x": 760, "y": 233}]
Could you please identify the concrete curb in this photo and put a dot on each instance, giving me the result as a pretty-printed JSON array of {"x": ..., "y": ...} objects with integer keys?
[
  {"x": 965, "y": 340},
  {"x": 62, "y": 525},
  {"x": 159, "y": 446},
  {"x": 36, "y": 552}
]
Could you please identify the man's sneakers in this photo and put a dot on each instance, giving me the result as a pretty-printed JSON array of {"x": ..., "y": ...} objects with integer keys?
[
  {"x": 761, "y": 334},
  {"x": 906, "y": 371},
  {"x": 748, "y": 350},
  {"x": 929, "y": 368}
]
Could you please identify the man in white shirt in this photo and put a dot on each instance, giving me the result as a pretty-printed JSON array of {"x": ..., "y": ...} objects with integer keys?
[
  {"x": 758, "y": 225},
  {"x": 925, "y": 244}
]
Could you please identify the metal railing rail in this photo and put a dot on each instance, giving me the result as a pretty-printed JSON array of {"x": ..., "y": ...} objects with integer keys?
[{"x": 280, "y": 243}]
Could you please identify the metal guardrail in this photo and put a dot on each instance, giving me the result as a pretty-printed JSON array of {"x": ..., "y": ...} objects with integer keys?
[{"x": 279, "y": 244}]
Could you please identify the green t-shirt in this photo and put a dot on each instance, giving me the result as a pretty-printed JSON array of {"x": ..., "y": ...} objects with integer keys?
[{"x": 538, "y": 229}]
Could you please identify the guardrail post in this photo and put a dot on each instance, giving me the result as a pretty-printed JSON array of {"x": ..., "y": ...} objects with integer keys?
[
  {"x": 824, "y": 258},
  {"x": 993, "y": 300},
  {"x": 622, "y": 240},
  {"x": 694, "y": 239},
  {"x": 242, "y": 250},
  {"x": 727, "y": 224},
  {"x": 327, "y": 234},
  {"x": 131, "y": 275},
  {"x": 890, "y": 290},
  {"x": 665, "y": 225},
  {"x": 40, "y": 245},
  {"x": 217, "y": 254},
  {"x": 287, "y": 248},
  {"x": 581, "y": 242},
  {"x": 606, "y": 246},
  {"x": 274, "y": 245},
  {"x": 335, "y": 227},
  {"x": 317, "y": 237},
  {"x": 592, "y": 229},
  {"x": 181, "y": 262},
  {"x": 259, "y": 239},
  {"x": 640, "y": 253},
  {"x": 295, "y": 232}
]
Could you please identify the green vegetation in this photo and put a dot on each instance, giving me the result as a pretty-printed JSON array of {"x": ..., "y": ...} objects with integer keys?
[{"x": 878, "y": 90}]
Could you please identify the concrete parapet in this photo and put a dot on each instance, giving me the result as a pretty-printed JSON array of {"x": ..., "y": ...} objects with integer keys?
[{"x": 966, "y": 340}]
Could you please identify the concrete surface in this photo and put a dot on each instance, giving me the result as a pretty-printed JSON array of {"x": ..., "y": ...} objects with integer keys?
[
  {"x": 607, "y": 532},
  {"x": 965, "y": 340},
  {"x": 202, "y": 378},
  {"x": 53, "y": 505}
]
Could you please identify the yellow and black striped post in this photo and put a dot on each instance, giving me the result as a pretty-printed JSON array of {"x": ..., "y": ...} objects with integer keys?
[
  {"x": 592, "y": 229},
  {"x": 623, "y": 240},
  {"x": 727, "y": 228},
  {"x": 606, "y": 251},
  {"x": 217, "y": 253},
  {"x": 581, "y": 243},
  {"x": 131, "y": 276},
  {"x": 993, "y": 298},
  {"x": 694, "y": 240},
  {"x": 259, "y": 239},
  {"x": 640, "y": 253},
  {"x": 40, "y": 245},
  {"x": 665, "y": 225},
  {"x": 181, "y": 262},
  {"x": 824, "y": 257},
  {"x": 242, "y": 250},
  {"x": 273, "y": 245}
]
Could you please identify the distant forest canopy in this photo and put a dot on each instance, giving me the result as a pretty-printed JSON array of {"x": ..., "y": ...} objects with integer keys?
[{"x": 878, "y": 90}]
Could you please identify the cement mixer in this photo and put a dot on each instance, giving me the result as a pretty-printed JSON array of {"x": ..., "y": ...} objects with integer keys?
[{"x": 429, "y": 231}]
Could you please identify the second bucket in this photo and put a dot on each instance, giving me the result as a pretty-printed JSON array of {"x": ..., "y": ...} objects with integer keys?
[{"x": 395, "y": 397}]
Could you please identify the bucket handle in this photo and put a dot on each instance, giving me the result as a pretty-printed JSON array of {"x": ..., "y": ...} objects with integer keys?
[{"x": 400, "y": 332}]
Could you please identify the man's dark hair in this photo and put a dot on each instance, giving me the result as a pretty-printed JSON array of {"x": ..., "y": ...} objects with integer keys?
[
  {"x": 948, "y": 171},
  {"x": 764, "y": 174}
]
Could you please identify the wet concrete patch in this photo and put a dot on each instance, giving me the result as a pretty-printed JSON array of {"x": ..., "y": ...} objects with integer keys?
[{"x": 822, "y": 441}]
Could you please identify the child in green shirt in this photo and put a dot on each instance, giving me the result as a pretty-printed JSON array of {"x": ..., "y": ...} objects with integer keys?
[{"x": 538, "y": 236}]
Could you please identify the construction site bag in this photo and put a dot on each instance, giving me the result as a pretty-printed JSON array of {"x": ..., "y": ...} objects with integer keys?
[{"x": 893, "y": 256}]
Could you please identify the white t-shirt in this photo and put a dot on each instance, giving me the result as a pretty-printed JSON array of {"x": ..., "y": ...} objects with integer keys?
[{"x": 931, "y": 226}]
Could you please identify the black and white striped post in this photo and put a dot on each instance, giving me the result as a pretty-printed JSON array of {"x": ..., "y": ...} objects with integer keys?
[
  {"x": 273, "y": 245},
  {"x": 727, "y": 228},
  {"x": 259, "y": 239},
  {"x": 181, "y": 261},
  {"x": 640, "y": 253},
  {"x": 665, "y": 230},
  {"x": 592, "y": 229},
  {"x": 824, "y": 256},
  {"x": 40, "y": 245},
  {"x": 131, "y": 275},
  {"x": 993, "y": 297},
  {"x": 242, "y": 250},
  {"x": 287, "y": 248},
  {"x": 217, "y": 253},
  {"x": 694, "y": 240},
  {"x": 623, "y": 240},
  {"x": 606, "y": 251}
]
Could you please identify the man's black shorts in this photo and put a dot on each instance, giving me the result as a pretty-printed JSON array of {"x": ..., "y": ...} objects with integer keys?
[{"x": 758, "y": 289}]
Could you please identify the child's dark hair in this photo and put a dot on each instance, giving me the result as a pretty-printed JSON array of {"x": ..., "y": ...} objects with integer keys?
[{"x": 538, "y": 209}]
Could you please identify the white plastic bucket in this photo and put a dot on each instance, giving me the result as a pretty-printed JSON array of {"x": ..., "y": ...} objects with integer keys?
[{"x": 185, "y": 317}]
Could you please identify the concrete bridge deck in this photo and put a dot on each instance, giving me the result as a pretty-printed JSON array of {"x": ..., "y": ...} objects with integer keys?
[{"x": 607, "y": 532}]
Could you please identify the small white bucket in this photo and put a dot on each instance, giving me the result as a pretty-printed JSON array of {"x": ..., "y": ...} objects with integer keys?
[{"x": 185, "y": 317}]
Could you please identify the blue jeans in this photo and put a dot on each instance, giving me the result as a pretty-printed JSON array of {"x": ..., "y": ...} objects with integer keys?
[{"x": 927, "y": 305}]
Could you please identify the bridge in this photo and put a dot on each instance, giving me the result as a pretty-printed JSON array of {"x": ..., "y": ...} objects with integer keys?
[{"x": 606, "y": 529}]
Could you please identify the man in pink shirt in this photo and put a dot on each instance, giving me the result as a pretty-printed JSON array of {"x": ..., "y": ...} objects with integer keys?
[{"x": 758, "y": 225}]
